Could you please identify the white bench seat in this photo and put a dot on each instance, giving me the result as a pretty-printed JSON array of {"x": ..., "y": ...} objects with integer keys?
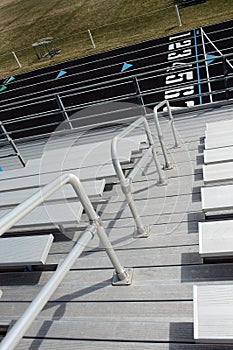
[
  {"x": 38, "y": 181},
  {"x": 93, "y": 189},
  {"x": 217, "y": 198},
  {"x": 213, "y": 313},
  {"x": 218, "y": 172},
  {"x": 50, "y": 215},
  {"x": 86, "y": 155},
  {"x": 28, "y": 250},
  {"x": 218, "y": 155},
  {"x": 83, "y": 156},
  {"x": 220, "y": 126},
  {"x": 223, "y": 139},
  {"x": 216, "y": 238}
]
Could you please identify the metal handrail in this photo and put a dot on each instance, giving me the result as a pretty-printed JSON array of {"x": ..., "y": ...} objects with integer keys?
[
  {"x": 127, "y": 181},
  {"x": 122, "y": 276},
  {"x": 168, "y": 164}
]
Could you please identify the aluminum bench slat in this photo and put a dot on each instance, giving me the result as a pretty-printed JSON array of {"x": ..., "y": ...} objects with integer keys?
[
  {"x": 30, "y": 250},
  {"x": 218, "y": 155},
  {"x": 217, "y": 172},
  {"x": 220, "y": 126},
  {"x": 91, "y": 155},
  {"x": 217, "y": 198},
  {"x": 223, "y": 139},
  {"x": 124, "y": 148},
  {"x": 216, "y": 238},
  {"x": 93, "y": 189},
  {"x": 51, "y": 214},
  {"x": 42, "y": 180},
  {"x": 75, "y": 158},
  {"x": 213, "y": 313}
]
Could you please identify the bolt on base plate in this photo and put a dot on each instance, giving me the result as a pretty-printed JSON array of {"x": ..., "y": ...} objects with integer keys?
[
  {"x": 168, "y": 167},
  {"x": 126, "y": 282},
  {"x": 145, "y": 234}
]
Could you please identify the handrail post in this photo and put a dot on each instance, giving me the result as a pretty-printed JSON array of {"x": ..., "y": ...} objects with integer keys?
[
  {"x": 172, "y": 123},
  {"x": 94, "y": 218},
  {"x": 168, "y": 165},
  {"x": 162, "y": 180},
  {"x": 126, "y": 182},
  {"x": 126, "y": 189},
  {"x": 13, "y": 145}
]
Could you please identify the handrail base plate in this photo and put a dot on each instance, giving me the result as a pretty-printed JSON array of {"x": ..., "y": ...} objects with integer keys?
[
  {"x": 127, "y": 281},
  {"x": 145, "y": 234}
]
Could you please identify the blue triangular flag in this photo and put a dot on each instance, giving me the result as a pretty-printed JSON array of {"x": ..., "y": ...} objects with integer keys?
[
  {"x": 61, "y": 73},
  {"x": 10, "y": 80},
  {"x": 126, "y": 66},
  {"x": 210, "y": 58}
]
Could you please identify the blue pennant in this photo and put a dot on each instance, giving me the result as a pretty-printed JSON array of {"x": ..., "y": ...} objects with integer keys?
[
  {"x": 210, "y": 58},
  {"x": 9, "y": 80},
  {"x": 61, "y": 73},
  {"x": 126, "y": 66}
]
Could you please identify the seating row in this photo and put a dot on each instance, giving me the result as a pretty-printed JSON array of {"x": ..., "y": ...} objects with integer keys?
[{"x": 213, "y": 304}]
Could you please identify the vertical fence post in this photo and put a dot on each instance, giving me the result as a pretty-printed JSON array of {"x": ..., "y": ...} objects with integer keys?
[
  {"x": 206, "y": 66},
  {"x": 178, "y": 16},
  {"x": 16, "y": 58},
  {"x": 13, "y": 145},
  {"x": 225, "y": 72},
  {"x": 138, "y": 92},
  {"x": 91, "y": 38},
  {"x": 62, "y": 108}
]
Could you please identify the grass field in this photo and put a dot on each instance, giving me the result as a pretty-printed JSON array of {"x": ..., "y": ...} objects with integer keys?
[{"x": 112, "y": 23}]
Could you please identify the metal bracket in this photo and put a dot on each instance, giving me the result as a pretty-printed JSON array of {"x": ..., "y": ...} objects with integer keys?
[
  {"x": 125, "y": 282},
  {"x": 126, "y": 187}
]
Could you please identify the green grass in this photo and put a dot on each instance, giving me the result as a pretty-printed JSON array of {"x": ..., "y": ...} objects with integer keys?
[{"x": 113, "y": 23}]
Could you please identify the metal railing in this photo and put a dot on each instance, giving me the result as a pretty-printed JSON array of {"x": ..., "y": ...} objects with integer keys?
[
  {"x": 122, "y": 276},
  {"x": 126, "y": 182},
  {"x": 136, "y": 94},
  {"x": 168, "y": 164},
  {"x": 12, "y": 144}
]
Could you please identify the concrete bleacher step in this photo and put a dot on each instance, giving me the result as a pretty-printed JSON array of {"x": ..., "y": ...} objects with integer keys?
[
  {"x": 51, "y": 214},
  {"x": 218, "y": 172},
  {"x": 213, "y": 313},
  {"x": 30, "y": 250},
  {"x": 216, "y": 238},
  {"x": 94, "y": 189},
  {"x": 223, "y": 139},
  {"x": 217, "y": 198},
  {"x": 218, "y": 155}
]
